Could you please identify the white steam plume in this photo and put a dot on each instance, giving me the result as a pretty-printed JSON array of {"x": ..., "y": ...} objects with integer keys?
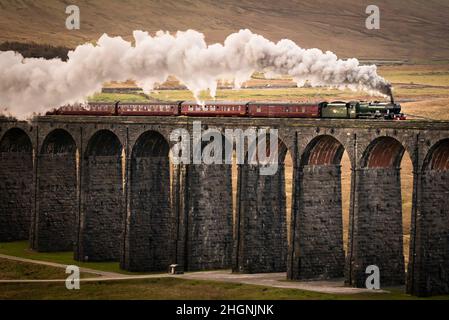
[{"x": 30, "y": 86}]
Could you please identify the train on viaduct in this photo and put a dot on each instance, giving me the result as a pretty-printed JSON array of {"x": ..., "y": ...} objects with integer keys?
[{"x": 106, "y": 189}]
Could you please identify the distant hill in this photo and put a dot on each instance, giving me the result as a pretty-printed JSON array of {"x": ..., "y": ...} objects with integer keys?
[{"x": 410, "y": 29}]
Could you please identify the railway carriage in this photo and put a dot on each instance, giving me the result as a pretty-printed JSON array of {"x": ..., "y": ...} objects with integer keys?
[
  {"x": 284, "y": 110},
  {"x": 148, "y": 109},
  {"x": 91, "y": 109},
  {"x": 214, "y": 109}
]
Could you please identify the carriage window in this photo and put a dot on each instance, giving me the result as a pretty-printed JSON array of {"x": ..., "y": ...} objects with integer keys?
[
  {"x": 303, "y": 110},
  {"x": 258, "y": 109}
]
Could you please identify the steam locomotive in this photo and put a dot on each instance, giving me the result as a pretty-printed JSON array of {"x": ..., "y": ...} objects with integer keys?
[{"x": 329, "y": 110}]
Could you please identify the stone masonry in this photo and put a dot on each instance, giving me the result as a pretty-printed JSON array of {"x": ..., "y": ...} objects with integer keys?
[
  {"x": 57, "y": 194},
  {"x": 16, "y": 186},
  {"x": 377, "y": 228},
  {"x": 261, "y": 237},
  {"x": 319, "y": 219},
  {"x": 148, "y": 240}
]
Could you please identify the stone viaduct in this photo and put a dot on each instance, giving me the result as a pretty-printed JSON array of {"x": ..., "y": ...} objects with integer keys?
[{"x": 107, "y": 189}]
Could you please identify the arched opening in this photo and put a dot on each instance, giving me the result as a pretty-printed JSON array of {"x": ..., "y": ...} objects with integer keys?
[
  {"x": 16, "y": 185},
  {"x": 208, "y": 222},
  {"x": 57, "y": 193},
  {"x": 382, "y": 153},
  {"x": 261, "y": 240},
  {"x": 322, "y": 151},
  {"x": 288, "y": 173},
  {"x": 377, "y": 226},
  {"x": 407, "y": 200},
  {"x": 318, "y": 246},
  {"x": 428, "y": 272},
  {"x": 438, "y": 157},
  {"x": 149, "y": 241},
  {"x": 102, "y": 221},
  {"x": 346, "y": 174}
]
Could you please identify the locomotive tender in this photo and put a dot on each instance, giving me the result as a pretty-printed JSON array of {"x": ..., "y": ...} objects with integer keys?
[{"x": 328, "y": 110}]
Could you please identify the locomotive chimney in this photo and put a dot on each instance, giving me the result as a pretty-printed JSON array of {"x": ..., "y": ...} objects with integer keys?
[{"x": 390, "y": 93}]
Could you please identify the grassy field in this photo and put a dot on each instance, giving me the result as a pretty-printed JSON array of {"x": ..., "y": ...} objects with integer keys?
[
  {"x": 16, "y": 270},
  {"x": 21, "y": 249},
  {"x": 180, "y": 289},
  {"x": 155, "y": 288}
]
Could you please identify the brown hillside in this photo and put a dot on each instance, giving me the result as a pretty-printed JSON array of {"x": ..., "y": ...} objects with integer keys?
[{"x": 410, "y": 29}]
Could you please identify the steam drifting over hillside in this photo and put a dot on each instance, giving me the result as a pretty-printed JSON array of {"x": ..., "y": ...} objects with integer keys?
[{"x": 29, "y": 86}]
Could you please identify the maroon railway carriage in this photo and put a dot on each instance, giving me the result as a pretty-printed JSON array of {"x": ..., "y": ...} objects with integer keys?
[
  {"x": 149, "y": 109},
  {"x": 284, "y": 110},
  {"x": 214, "y": 109},
  {"x": 71, "y": 110},
  {"x": 92, "y": 109}
]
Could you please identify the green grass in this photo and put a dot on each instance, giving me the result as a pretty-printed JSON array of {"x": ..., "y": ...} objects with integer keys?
[
  {"x": 114, "y": 97},
  {"x": 17, "y": 270},
  {"x": 21, "y": 249},
  {"x": 155, "y": 288},
  {"x": 173, "y": 288}
]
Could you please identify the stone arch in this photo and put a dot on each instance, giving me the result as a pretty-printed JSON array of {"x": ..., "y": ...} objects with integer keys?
[
  {"x": 261, "y": 240},
  {"x": 376, "y": 229},
  {"x": 437, "y": 158},
  {"x": 318, "y": 221},
  {"x": 208, "y": 213},
  {"x": 57, "y": 193},
  {"x": 323, "y": 150},
  {"x": 383, "y": 152},
  {"x": 104, "y": 143},
  {"x": 428, "y": 272},
  {"x": 16, "y": 185},
  {"x": 102, "y": 216},
  {"x": 149, "y": 233}
]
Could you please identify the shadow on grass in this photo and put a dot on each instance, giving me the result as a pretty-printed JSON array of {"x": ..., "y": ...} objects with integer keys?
[{"x": 21, "y": 249}]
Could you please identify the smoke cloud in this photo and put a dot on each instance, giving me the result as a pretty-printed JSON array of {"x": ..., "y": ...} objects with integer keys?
[{"x": 34, "y": 86}]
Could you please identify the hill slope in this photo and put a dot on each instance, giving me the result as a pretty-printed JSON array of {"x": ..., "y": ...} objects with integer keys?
[{"x": 410, "y": 29}]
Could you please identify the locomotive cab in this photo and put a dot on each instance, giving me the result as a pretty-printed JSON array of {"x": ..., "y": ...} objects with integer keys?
[{"x": 335, "y": 109}]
